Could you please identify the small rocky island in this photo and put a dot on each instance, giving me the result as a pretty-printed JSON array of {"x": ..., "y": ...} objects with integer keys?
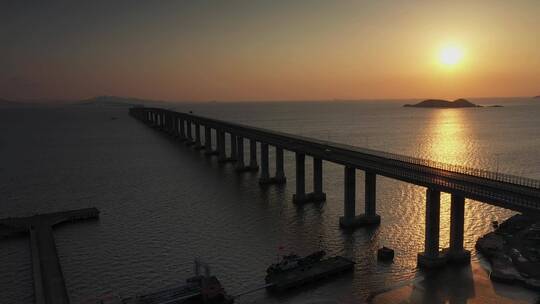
[
  {"x": 441, "y": 103},
  {"x": 513, "y": 250}
]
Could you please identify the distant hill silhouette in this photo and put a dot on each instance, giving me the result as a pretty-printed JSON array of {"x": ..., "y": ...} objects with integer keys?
[
  {"x": 441, "y": 103},
  {"x": 537, "y": 96},
  {"x": 113, "y": 101},
  {"x": 5, "y": 102}
]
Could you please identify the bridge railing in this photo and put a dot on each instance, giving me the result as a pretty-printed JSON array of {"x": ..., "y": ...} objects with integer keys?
[
  {"x": 517, "y": 201},
  {"x": 475, "y": 172}
]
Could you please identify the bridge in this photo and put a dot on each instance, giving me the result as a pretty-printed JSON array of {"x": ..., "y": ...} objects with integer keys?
[{"x": 508, "y": 191}]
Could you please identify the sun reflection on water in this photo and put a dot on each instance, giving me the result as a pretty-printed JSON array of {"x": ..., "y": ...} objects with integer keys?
[
  {"x": 447, "y": 137},
  {"x": 446, "y": 140}
]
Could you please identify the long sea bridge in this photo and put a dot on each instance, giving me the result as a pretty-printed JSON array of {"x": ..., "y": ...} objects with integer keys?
[{"x": 508, "y": 191}]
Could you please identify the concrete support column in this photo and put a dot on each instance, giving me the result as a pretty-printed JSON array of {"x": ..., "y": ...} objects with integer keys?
[
  {"x": 431, "y": 256},
  {"x": 370, "y": 193},
  {"x": 234, "y": 148},
  {"x": 317, "y": 195},
  {"x": 198, "y": 141},
  {"x": 253, "y": 155},
  {"x": 182, "y": 129},
  {"x": 280, "y": 171},
  {"x": 240, "y": 164},
  {"x": 370, "y": 216},
  {"x": 207, "y": 139},
  {"x": 456, "y": 252},
  {"x": 349, "y": 208},
  {"x": 222, "y": 156},
  {"x": 300, "y": 196},
  {"x": 265, "y": 168},
  {"x": 189, "y": 133},
  {"x": 317, "y": 176},
  {"x": 175, "y": 126}
]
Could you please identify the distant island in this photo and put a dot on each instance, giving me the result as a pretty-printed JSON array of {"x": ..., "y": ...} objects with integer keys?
[
  {"x": 112, "y": 101},
  {"x": 441, "y": 103},
  {"x": 537, "y": 96}
]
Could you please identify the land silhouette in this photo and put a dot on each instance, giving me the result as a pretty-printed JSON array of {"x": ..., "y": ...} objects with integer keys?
[{"x": 441, "y": 103}]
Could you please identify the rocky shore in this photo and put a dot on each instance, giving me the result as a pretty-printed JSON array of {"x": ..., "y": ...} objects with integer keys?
[{"x": 513, "y": 250}]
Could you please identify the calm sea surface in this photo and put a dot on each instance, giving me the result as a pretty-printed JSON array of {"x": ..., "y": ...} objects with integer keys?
[{"x": 163, "y": 204}]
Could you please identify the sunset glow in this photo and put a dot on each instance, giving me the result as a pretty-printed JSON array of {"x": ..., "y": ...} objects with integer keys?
[
  {"x": 451, "y": 55},
  {"x": 269, "y": 50}
]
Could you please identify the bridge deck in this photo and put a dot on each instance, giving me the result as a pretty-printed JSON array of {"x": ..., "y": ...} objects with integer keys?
[{"x": 508, "y": 191}]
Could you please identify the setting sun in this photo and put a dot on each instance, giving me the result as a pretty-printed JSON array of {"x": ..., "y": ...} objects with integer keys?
[{"x": 450, "y": 55}]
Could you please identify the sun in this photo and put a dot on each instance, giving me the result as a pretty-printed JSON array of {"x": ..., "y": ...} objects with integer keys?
[{"x": 450, "y": 55}]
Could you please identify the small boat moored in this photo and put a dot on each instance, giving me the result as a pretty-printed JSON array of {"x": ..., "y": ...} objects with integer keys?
[{"x": 293, "y": 270}]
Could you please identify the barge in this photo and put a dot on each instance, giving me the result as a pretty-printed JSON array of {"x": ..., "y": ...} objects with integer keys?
[{"x": 293, "y": 270}]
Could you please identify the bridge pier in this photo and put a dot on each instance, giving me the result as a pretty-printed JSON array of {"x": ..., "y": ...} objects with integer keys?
[
  {"x": 208, "y": 142},
  {"x": 154, "y": 119},
  {"x": 198, "y": 142},
  {"x": 182, "y": 135},
  {"x": 369, "y": 217},
  {"x": 456, "y": 253},
  {"x": 432, "y": 257},
  {"x": 168, "y": 123},
  {"x": 300, "y": 196},
  {"x": 207, "y": 139},
  {"x": 253, "y": 165},
  {"x": 279, "y": 177},
  {"x": 234, "y": 148},
  {"x": 190, "y": 140},
  {"x": 349, "y": 218},
  {"x": 265, "y": 171},
  {"x": 240, "y": 164},
  {"x": 222, "y": 156},
  {"x": 280, "y": 171},
  {"x": 160, "y": 121},
  {"x": 317, "y": 195},
  {"x": 174, "y": 125}
]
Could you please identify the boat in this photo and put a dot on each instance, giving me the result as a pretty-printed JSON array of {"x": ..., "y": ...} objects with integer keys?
[{"x": 293, "y": 270}]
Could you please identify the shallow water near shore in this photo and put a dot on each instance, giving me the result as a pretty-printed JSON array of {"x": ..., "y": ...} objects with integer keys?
[{"x": 163, "y": 204}]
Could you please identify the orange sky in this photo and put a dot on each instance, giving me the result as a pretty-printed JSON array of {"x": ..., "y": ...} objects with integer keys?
[{"x": 268, "y": 50}]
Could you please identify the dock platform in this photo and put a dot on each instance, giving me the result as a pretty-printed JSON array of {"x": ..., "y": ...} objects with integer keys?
[{"x": 49, "y": 284}]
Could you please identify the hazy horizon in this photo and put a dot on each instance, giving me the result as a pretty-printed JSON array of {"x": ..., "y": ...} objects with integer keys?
[
  {"x": 53, "y": 100},
  {"x": 257, "y": 50}
]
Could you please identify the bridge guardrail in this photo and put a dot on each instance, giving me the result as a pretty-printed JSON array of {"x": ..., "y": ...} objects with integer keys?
[{"x": 501, "y": 177}]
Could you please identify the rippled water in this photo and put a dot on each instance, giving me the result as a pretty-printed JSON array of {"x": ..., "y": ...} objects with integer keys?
[{"x": 162, "y": 204}]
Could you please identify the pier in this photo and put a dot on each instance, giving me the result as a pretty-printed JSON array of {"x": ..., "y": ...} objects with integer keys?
[
  {"x": 49, "y": 284},
  {"x": 508, "y": 191}
]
